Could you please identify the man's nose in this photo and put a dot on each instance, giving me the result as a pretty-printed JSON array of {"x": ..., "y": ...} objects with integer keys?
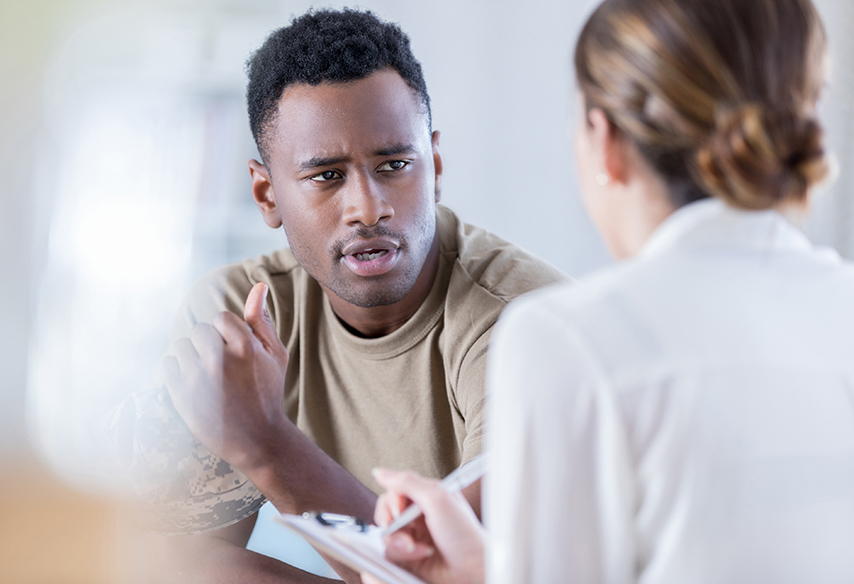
[{"x": 366, "y": 202}]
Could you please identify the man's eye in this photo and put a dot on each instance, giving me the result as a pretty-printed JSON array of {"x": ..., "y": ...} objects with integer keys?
[
  {"x": 325, "y": 175},
  {"x": 392, "y": 165}
]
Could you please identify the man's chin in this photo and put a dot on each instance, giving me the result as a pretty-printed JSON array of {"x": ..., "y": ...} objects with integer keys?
[{"x": 370, "y": 298}]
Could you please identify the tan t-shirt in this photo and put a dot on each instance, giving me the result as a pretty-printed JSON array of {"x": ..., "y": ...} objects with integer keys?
[{"x": 411, "y": 399}]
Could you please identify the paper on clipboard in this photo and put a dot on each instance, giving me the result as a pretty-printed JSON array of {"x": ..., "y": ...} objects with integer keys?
[{"x": 362, "y": 551}]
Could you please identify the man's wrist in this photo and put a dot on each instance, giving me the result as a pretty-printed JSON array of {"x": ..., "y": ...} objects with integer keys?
[
  {"x": 296, "y": 475},
  {"x": 266, "y": 465}
]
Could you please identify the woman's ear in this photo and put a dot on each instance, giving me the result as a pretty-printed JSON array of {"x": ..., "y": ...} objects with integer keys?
[
  {"x": 262, "y": 192},
  {"x": 609, "y": 144}
]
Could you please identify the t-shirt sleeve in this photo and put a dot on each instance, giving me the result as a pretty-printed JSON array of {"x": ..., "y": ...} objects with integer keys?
[
  {"x": 223, "y": 289},
  {"x": 181, "y": 485},
  {"x": 470, "y": 396},
  {"x": 558, "y": 500}
]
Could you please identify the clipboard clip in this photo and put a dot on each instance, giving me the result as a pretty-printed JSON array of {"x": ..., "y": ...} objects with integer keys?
[{"x": 337, "y": 521}]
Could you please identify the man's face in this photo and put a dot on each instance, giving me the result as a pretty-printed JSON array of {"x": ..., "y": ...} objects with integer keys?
[{"x": 354, "y": 175}]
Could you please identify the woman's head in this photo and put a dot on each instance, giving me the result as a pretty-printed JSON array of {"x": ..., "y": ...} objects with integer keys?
[{"x": 718, "y": 96}]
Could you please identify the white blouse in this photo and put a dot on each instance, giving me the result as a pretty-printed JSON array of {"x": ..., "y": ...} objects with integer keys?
[{"x": 685, "y": 417}]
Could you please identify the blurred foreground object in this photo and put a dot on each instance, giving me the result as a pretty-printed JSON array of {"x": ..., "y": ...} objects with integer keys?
[{"x": 50, "y": 533}]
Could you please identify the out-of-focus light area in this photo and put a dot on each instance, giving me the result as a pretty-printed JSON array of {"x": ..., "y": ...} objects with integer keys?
[
  {"x": 142, "y": 137},
  {"x": 124, "y": 146},
  {"x": 123, "y": 149}
]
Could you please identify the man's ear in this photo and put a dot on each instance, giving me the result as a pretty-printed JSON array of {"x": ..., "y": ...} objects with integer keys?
[
  {"x": 437, "y": 165},
  {"x": 610, "y": 144},
  {"x": 262, "y": 192}
]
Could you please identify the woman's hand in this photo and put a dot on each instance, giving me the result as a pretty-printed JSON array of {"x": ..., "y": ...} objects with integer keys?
[{"x": 445, "y": 544}]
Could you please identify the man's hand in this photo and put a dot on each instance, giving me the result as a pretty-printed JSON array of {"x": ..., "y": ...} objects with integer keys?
[{"x": 227, "y": 383}]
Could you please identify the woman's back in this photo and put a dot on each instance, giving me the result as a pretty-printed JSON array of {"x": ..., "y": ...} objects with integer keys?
[{"x": 700, "y": 425}]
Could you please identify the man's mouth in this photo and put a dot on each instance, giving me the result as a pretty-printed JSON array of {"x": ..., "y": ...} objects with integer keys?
[
  {"x": 369, "y": 255},
  {"x": 374, "y": 257}
]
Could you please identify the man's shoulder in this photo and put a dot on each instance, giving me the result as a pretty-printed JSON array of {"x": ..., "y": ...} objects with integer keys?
[
  {"x": 226, "y": 287},
  {"x": 486, "y": 273},
  {"x": 233, "y": 281},
  {"x": 490, "y": 263}
]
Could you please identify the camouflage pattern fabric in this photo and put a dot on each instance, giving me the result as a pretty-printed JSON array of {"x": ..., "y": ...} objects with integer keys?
[{"x": 183, "y": 487}]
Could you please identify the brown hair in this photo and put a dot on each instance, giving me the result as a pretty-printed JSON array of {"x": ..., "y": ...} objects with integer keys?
[{"x": 718, "y": 95}]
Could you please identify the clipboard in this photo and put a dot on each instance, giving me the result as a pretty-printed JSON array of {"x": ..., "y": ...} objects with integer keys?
[{"x": 350, "y": 541}]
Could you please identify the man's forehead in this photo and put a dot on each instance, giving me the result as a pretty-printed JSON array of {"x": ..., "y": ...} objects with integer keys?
[{"x": 372, "y": 114}]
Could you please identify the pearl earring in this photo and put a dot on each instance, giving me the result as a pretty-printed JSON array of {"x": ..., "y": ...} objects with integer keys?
[{"x": 602, "y": 179}]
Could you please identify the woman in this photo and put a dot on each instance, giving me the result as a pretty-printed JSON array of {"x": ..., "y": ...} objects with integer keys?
[{"x": 687, "y": 416}]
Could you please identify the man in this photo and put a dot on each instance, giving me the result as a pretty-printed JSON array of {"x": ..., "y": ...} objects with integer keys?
[{"x": 375, "y": 321}]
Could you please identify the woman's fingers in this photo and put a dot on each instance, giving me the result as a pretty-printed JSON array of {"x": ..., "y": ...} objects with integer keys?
[
  {"x": 401, "y": 547},
  {"x": 433, "y": 500},
  {"x": 406, "y": 483},
  {"x": 368, "y": 579},
  {"x": 446, "y": 544},
  {"x": 389, "y": 505}
]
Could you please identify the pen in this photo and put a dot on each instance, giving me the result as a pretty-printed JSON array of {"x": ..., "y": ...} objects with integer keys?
[{"x": 458, "y": 480}]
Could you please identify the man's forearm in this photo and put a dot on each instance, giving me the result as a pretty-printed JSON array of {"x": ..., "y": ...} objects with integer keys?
[{"x": 304, "y": 478}]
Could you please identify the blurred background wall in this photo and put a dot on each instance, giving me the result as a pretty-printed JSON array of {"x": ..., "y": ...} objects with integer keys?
[{"x": 123, "y": 149}]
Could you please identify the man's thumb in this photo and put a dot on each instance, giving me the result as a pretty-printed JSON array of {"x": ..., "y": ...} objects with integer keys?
[{"x": 256, "y": 315}]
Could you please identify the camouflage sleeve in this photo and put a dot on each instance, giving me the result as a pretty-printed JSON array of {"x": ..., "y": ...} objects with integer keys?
[{"x": 182, "y": 487}]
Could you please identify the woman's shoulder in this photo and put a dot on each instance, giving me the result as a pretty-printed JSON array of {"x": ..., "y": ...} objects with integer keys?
[{"x": 563, "y": 300}]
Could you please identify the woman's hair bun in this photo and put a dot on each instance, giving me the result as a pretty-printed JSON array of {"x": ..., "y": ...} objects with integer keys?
[
  {"x": 757, "y": 159},
  {"x": 718, "y": 96}
]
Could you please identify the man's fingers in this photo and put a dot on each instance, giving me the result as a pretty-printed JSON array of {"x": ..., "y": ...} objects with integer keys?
[
  {"x": 255, "y": 309},
  {"x": 208, "y": 343},
  {"x": 186, "y": 354},
  {"x": 168, "y": 372},
  {"x": 170, "y": 375},
  {"x": 234, "y": 332},
  {"x": 258, "y": 317}
]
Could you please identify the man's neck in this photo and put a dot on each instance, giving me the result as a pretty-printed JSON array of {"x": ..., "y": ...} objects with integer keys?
[{"x": 379, "y": 321}]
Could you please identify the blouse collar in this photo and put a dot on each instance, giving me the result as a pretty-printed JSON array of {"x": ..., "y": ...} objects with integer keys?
[{"x": 713, "y": 222}]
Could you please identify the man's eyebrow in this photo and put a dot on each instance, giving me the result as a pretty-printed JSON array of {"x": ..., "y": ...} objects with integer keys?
[
  {"x": 319, "y": 161},
  {"x": 393, "y": 149}
]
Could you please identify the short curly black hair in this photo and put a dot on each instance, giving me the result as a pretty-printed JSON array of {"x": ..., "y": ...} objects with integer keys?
[{"x": 326, "y": 45}]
